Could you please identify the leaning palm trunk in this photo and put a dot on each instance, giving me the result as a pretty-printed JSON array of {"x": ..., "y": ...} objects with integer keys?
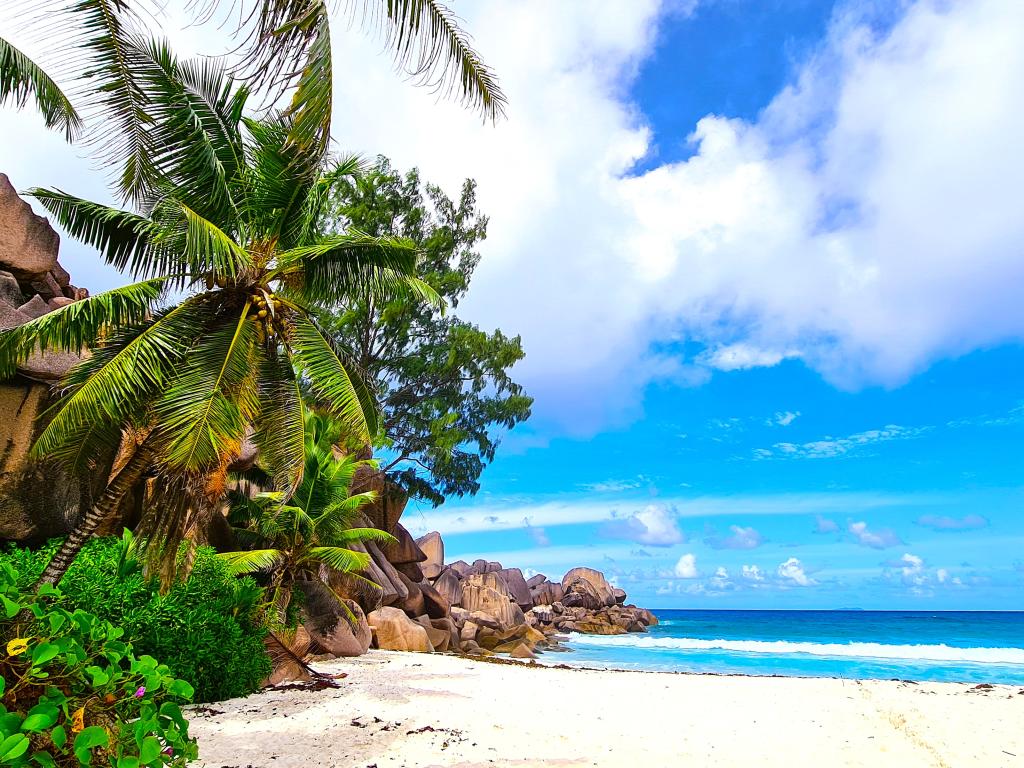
[{"x": 104, "y": 507}]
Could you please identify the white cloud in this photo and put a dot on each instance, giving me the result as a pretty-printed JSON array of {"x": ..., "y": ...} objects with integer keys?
[
  {"x": 784, "y": 418},
  {"x": 741, "y": 538},
  {"x": 654, "y": 525},
  {"x": 792, "y": 571},
  {"x": 686, "y": 567},
  {"x": 942, "y": 575},
  {"x": 752, "y": 573},
  {"x": 832, "y": 447},
  {"x": 721, "y": 578},
  {"x": 740, "y": 356},
  {"x": 477, "y": 516},
  {"x": 876, "y": 539},
  {"x": 799, "y": 234},
  {"x": 947, "y": 523}
]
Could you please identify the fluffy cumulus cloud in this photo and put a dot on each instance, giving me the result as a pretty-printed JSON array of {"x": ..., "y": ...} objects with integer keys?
[
  {"x": 739, "y": 538},
  {"x": 654, "y": 525},
  {"x": 867, "y": 222},
  {"x": 947, "y": 523},
  {"x": 686, "y": 567},
  {"x": 792, "y": 572},
  {"x": 912, "y": 572},
  {"x": 879, "y": 538},
  {"x": 752, "y": 573}
]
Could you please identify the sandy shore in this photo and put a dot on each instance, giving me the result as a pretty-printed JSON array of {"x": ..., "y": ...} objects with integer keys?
[{"x": 399, "y": 709}]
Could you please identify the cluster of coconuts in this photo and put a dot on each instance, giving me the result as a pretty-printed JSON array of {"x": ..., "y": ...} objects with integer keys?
[{"x": 266, "y": 311}]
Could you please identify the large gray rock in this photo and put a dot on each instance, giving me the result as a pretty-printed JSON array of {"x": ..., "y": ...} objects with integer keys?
[
  {"x": 487, "y": 593},
  {"x": 587, "y": 588},
  {"x": 10, "y": 291},
  {"x": 516, "y": 584},
  {"x": 339, "y": 627},
  {"x": 449, "y": 586},
  {"x": 394, "y": 631},
  {"x": 546, "y": 593},
  {"x": 403, "y": 549},
  {"x": 28, "y": 244},
  {"x": 461, "y": 568},
  {"x": 34, "y": 307},
  {"x": 433, "y": 547},
  {"x": 536, "y": 580}
]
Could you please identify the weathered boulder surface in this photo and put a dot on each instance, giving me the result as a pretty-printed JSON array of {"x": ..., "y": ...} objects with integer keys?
[
  {"x": 36, "y": 501},
  {"x": 403, "y": 549},
  {"x": 516, "y": 585},
  {"x": 488, "y": 594},
  {"x": 335, "y": 626},
  {"x": 587, "y": 588},
  {"x": 28, "y": 244},
  {"x": 394, "y": 631},
  {"x": 433, "y": 547},
  {"x": 449, "y": 586}
]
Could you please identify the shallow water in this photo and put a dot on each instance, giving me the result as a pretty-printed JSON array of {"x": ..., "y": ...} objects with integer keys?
[{"x": 960, "y": 646}]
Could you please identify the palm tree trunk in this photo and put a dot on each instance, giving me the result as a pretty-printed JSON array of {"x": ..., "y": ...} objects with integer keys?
[{"x": 105, "y": 506}]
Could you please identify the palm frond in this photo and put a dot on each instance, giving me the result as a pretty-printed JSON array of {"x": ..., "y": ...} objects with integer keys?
[
  {"x": 123, "y": 373},
  {"x": 196, "y": 112},
  {"x": 337, "y": 266},
  {"x": 107, "y": 31},
  {"x": 339, "y": 558},
  {"x": 206, "y": 244},
  {"x": 21, "y": 78},
  {"x": 429, "y": 44},
  {"x": 78, "y": 325},
  {"x": 341, "y": 392},
  {"x": 205, "y": 409},
  {"x": 280, "y": 428},
  {"x": 310, "y": 109},
  {"x": 252, "y": 561},
  {"x": 126, "y": 241}
]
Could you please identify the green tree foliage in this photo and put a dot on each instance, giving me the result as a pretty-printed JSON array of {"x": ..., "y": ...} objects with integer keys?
[
  {"x": 443, "y": 384},
  {"x": 207, "y": 628},
  {"x": 307, "y": 535},
  {"x": 21, "y": 78},
  {"x": 230, "y": 222},
  {"x": 74, "y": 693}
]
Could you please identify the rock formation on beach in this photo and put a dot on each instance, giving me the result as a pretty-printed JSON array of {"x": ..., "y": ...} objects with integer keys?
[
  {"x": 482, "y": 608},
  {"x": 34, "y": 503}
]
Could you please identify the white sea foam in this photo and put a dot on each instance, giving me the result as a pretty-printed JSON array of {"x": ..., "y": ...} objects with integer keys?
[{"x": 945, "y": 653}]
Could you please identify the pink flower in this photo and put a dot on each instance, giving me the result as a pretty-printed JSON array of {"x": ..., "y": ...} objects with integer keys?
[
  {"x": 168, "y": 751},
  {"x": 141, "y": 692}
]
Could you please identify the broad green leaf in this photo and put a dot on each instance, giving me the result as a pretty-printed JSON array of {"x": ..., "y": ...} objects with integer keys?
[{"x": 13, "y": 747}]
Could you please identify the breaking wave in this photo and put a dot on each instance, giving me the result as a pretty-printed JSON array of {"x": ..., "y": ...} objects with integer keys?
[{"x": 946, "y": 653}]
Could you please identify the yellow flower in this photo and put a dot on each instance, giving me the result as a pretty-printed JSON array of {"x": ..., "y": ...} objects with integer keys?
[
  {"x": 78, "y": 720},
  {"x": 17, "y": 645}
]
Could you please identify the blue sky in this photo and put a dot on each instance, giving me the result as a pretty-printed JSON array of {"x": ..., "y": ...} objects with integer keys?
[{"x": 765, "y": 259}]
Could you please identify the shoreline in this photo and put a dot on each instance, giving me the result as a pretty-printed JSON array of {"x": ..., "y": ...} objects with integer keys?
[{"x": 407, "y": 709}]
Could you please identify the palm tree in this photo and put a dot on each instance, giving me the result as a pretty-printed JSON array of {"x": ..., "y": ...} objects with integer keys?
[
  {"x": 305, "y": 535},
  {"x": 218, "y": 340}
]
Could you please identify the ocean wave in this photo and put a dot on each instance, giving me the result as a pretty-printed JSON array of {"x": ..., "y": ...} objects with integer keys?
[{"x": 946, "y": 653}]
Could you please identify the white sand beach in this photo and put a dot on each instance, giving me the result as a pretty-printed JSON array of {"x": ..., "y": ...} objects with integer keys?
[{"x": 404, "y": 709}]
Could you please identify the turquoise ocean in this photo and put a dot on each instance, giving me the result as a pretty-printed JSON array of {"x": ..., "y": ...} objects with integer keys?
[{"x": 975, "y": 646}]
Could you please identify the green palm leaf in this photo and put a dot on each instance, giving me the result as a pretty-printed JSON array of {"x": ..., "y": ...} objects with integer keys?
[
  {"x": 78, "y": 325},
  {"x": 280, "y": 429},
  {"x": 337, "y": 266},
  {"x": 340, "y": 390},
  {"x": 429, "y": 44},
  {"x": 205, "y": 409},
  {"x": 206, "y": 244},
  {"x": 118, "y": 377},
  {"x": 21, "y": 78},
  {"x": 125, "y": 240},
  {"x": 339, "y": 558},
  {"x": 244, "y": 563}
]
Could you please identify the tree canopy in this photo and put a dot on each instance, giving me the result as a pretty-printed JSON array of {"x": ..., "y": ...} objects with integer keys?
[{"x": 444, "y": 385}]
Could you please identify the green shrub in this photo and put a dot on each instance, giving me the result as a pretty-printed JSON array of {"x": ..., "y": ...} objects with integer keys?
[
  {"x": 73, "y": 693},
  {"x": 206, "y": 628}
]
